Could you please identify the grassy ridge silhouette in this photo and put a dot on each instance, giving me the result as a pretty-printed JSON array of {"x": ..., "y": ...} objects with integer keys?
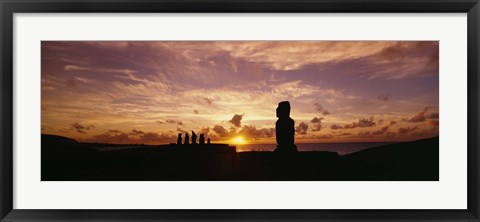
[{"x": 64, "y": 159}]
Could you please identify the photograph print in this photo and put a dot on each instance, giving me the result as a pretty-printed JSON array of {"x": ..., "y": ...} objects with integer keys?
[{"x": 240, "y": 110}]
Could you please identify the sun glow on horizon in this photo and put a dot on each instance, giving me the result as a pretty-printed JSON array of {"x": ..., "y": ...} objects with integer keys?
[{"x": 239, "y": 140}]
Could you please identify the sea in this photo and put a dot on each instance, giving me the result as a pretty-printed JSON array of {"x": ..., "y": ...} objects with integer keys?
[{"x": 340, "y": 148}]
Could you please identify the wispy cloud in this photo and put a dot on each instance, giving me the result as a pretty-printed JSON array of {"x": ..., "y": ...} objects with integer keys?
[{"x": 232, "y": 87}]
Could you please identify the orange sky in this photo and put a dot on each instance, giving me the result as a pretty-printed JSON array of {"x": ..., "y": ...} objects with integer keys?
[{"x": 148, "y": 92}]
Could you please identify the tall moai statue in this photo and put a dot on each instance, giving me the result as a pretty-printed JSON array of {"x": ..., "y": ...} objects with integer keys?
[
  {"x": 201, "y": 141},
  {"x": 187, "y": 139},
  {"x": 285, "y": 129},
  {"x": 179, "y": 139},
  {"x": 194, "y": 138}
]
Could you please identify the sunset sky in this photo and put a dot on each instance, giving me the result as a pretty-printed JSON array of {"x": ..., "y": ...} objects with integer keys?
[{"x": 148, "y": 92}]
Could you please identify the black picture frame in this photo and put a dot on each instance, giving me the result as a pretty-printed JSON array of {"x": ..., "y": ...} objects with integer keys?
[{"x": 9, "y": 7}]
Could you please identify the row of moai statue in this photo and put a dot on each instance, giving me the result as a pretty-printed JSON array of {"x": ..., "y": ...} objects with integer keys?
[{"x": 201, "y": 140}]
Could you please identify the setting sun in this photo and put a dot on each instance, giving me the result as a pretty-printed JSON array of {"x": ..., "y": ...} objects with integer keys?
[{"x": 238, "y": 140}]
